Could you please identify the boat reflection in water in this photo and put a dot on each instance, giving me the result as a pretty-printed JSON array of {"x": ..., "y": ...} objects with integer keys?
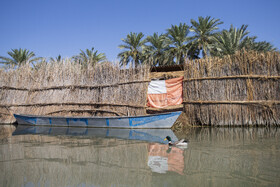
[
  {"x": 149, "y": 135},
  {"x": 214, "y": 157},
  {"x": 161, "y": 157}
]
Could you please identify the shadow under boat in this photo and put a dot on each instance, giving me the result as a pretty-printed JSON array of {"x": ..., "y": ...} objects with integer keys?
[{"x": 149, "y": 135}]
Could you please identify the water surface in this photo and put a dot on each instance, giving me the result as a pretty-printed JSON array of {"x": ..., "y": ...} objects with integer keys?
[{"x": 83, "y": 157}]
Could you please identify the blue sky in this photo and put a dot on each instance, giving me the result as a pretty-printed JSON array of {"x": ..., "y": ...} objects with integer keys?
[{"x": 53, "y": 27}]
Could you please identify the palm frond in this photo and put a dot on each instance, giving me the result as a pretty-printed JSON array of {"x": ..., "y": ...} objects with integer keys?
[
  {"x": 19, "y": 57},
  {"x": 204, "y": 31},
  {"x": 133, "y": 49},
  {"x": 89, "y": 57}
]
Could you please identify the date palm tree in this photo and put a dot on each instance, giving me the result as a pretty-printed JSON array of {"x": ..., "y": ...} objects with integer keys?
[
  {"x": 56, "y": 59},
  {"x": 19, "y": 57},
  {"x": 262, "y": 46},
  {"x": 204, "y": 32},
  {"x": 156, "y": 50},
  {"x": 90, "y": 57},
  {"x": 132, "y": 49},
  {"x": 230, "y": 41},
  {"x": 179, "y": 42}
]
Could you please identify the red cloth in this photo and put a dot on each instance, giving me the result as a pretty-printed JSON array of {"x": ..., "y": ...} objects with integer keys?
[{"x": 174, "y": 95}]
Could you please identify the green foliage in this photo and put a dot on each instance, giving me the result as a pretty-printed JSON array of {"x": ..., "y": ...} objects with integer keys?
[
  {"x": 19, "y": 57},
  {"x": 89, "y": 57},
  {"x": 204, "y": 32},
  {"x": 179, "y": 42},
  {"x": 57, "y": 59},
  {"x": 262, "y": 46},
  {"x": 229, "y": 41},
  {"x": 156, "y": 52},
  {"x": 132, "y": 49}
]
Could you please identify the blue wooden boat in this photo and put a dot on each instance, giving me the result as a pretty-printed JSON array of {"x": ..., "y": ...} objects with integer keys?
[
  {"x": 164, "y": 120},
  {"x": 148, "y": 135}
]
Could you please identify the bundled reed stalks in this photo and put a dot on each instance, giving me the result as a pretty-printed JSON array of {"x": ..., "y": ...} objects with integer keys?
[
  {"x": 66, "y": 88},
  {"x": 241, "y": 90}
]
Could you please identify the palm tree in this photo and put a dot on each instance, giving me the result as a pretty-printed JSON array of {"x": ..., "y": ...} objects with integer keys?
[
  {"x": 204, "y": 32},
  {"x": 89, "y": 56},
  {"x": 57, "y": 59},
  {"x": 262, "y": 46},
  {"x": 157, "y": 50},
  {"x": 133, "y": 49},
  {"x": 19, "y": 57},
  {"x": 179, "y": 42},
  {"x": 230, "y": 41}
]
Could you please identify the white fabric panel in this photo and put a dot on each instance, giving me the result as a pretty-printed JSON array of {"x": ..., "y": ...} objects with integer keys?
[
  {"x": 157, "y": 87},
  {"x": 158, "y": 164}
]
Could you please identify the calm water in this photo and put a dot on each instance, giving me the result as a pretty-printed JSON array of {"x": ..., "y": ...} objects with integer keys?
[{"x": 101, "y": 157}]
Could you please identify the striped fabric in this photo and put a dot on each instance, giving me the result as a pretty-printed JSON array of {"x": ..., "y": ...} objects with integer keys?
[{"x": 162, "y": 93}]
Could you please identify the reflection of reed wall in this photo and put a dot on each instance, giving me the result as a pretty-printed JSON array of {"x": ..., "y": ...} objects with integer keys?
[
  {"x": 69, "y": 89},
  {"x": 225, "y": 156},
  {"x": 64, "y": 161},
  {"x": 235, "y": 155},
  {"x": 239, "y": 90}
]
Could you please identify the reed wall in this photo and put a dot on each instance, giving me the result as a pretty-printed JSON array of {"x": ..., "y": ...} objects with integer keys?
[
  {"x": 242, "y": 89},
  {"x": 65, "y": 88}
]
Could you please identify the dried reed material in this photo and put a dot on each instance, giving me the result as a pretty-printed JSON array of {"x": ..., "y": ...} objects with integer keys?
[
  {"x": 166, "y": 75},
  {"x": 69, "y": 103},
  {"x": 91, "y": 111},
  {"x": 242, "y": 89},
  {"x": 70, "y": 88}
]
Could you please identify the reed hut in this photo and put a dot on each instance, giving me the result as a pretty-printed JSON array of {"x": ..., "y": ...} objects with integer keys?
[
  {"x": 70, "y": 89},
  {"x": 238, "y": 90}
]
